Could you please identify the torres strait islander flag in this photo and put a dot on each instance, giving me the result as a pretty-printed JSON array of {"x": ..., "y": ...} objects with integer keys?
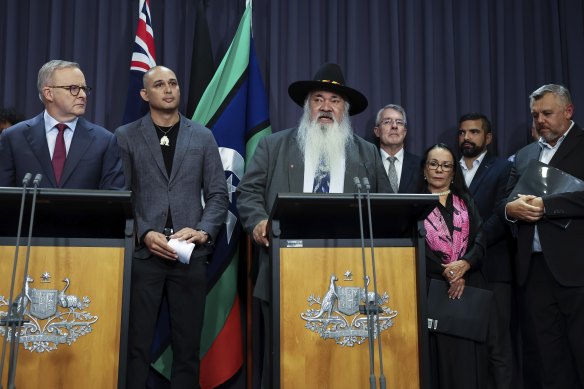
[{"x": 143, "y": 58}]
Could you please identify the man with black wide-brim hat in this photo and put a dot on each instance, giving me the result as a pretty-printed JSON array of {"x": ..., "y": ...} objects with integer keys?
[{"x": 321, "y": 155}]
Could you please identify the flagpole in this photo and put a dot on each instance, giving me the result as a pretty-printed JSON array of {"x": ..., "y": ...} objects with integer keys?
[{"x": 248, "y": 3}]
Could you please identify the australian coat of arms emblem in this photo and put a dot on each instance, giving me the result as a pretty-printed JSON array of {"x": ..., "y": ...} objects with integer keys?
[
  {"x": 52, "y": 317},
  {"x": 338, "y": 316}
]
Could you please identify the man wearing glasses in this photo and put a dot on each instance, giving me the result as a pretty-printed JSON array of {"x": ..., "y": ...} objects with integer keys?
[
  {"x": 402, "y": 167},
  {"x": 69, "y": 151}
]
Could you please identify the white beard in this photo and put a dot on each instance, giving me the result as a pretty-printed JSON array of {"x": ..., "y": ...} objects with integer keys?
[{"x": 324, "y": 142}]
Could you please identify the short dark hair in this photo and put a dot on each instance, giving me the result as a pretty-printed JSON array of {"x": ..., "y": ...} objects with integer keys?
[
  {"x": 477, "y": 116},
  {"x": 10, "y": 115}
]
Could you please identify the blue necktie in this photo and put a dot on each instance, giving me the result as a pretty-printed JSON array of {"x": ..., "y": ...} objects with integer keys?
[{"x": 322, "y": 179}]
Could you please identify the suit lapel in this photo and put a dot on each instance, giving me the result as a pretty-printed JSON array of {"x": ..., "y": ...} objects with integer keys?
[
  {"x": 567, "y": 146},
  {"x": 481, "y": 173},
  {"x": 295, "y": 165},
  {"x": 534, "y": 151},
  {"x": 407, "y": 173},
  {"x": 352, "y": 159},
  {"x": 37, "y": 139},
  {"x": 80, "y": 143},
  {"x": 148, "y": 133},
  {"x": 182, "y": 145}
]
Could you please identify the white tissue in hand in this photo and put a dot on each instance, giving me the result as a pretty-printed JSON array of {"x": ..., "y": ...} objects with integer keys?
[{"x": 183, "y": 249}]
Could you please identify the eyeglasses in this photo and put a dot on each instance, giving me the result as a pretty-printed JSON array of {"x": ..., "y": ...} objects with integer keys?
[
  {"x": 390, "y": 122},
  {"x": 446, "y": 166},
  {"x": 73, "y": 89}
]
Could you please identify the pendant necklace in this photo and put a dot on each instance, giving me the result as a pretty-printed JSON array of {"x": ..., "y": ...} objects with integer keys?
[{"x": 164, "y": 141}]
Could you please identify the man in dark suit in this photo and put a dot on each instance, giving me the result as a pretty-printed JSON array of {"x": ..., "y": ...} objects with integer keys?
[
  {"x": 402, "y": 167},
  {"x": 486, "y": 177},
  {"x": 321, "y": 155},
  {"x": 170, "y": 162},
  {"x": 69, "y": 151},
  {"x": 292, "y": 160},
  {"x": 550, "y": 231}
]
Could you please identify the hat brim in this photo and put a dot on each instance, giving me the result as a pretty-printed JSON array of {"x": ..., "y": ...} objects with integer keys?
[{"x": 300, "y": 89}]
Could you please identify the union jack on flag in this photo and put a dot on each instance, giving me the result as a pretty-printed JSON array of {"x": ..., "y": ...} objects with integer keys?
[{"x": 143, "y": 58}]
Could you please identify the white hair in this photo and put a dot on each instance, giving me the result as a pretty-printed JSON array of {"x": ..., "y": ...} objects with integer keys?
[{"x": 324, "y": 142}]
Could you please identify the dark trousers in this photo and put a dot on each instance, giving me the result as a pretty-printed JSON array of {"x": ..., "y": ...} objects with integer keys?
[
  {"x": 499, "y": 339},
  {"x": 557, "y": 312},
  {"x": 185, "y": 287}
]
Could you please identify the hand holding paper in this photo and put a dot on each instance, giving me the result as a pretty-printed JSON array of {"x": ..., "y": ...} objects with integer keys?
[{"x": 183, "y": 249}]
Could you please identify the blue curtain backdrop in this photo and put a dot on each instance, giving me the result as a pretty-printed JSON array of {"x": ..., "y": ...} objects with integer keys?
[{"x": 437, "y": 58}]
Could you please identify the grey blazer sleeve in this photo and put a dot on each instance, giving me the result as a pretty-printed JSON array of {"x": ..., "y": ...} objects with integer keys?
[
  {"x": 214, "y": 189},
  {"x": 251, "y": 192}
]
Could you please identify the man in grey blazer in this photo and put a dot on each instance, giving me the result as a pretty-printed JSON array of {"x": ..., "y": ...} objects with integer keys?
[
  {"x": 79, "y": 155},
  {"x": 169, "y": 161},
  {"x": 321, "y": 155}
]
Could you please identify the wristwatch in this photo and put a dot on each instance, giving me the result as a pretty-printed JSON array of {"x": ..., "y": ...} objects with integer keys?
[
  {"x": 204, "y": 232},
  {"x": 209, "y": 240}
]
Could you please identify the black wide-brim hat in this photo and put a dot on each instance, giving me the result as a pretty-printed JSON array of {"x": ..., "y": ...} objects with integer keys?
[{"x": 329, "y": 78}]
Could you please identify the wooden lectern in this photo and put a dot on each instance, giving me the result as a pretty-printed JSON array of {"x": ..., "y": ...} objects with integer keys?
[
  {"x": 318, "y": 337},
  {"x": 77, "y": 290}
]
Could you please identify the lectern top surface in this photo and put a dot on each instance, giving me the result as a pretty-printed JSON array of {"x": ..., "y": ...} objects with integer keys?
[{"x": 337, "y": 215}]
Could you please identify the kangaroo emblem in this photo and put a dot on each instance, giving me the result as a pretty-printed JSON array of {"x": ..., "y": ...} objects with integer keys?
[
  {"x": 329, "y": 299},
  {"x": 24, "y": 299}
]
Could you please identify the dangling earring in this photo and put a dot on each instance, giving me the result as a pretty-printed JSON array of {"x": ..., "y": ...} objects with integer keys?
[{"x": 425, "y": 179}]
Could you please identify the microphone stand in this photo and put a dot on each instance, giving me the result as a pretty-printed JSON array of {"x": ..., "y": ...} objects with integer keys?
[
  {"x": 365, "y": 308},
  {"x": 376, "y": 309},
  {"x": 10, "y": 320},
  {"x": 20, "y": 318}
]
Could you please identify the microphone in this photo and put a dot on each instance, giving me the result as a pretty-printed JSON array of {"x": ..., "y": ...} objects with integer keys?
[
  {"x": 26, "y": 179},
  {"x": 364, "y": 309},
  {"x": 20, "y": 314},
  {"x": 375, "y": 310},
  {"x": 11, "y": 319},
  {"x": 366, "y": 183}
]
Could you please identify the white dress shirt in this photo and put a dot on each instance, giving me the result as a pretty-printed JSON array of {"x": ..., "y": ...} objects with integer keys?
[
  {"x": 399, "y": 162},
  {"x": 52, "y": 131},
  {"x": 470, "y": 173}
]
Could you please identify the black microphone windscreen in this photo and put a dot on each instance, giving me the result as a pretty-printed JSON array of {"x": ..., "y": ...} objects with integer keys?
[
  {"x": 366, "y": 183},
  {"x": 37, "y": 179},
  {"x": 26, "y": 179}
]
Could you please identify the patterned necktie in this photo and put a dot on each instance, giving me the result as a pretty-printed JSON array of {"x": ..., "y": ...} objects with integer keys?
[
  {"x": 322, "y": 179},
  {"x": 392, "y": 174},
  {"x": 59, "y": 153}
]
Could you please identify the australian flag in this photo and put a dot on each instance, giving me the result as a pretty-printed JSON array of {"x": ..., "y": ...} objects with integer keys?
[{"x": 143, "y": 58}]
